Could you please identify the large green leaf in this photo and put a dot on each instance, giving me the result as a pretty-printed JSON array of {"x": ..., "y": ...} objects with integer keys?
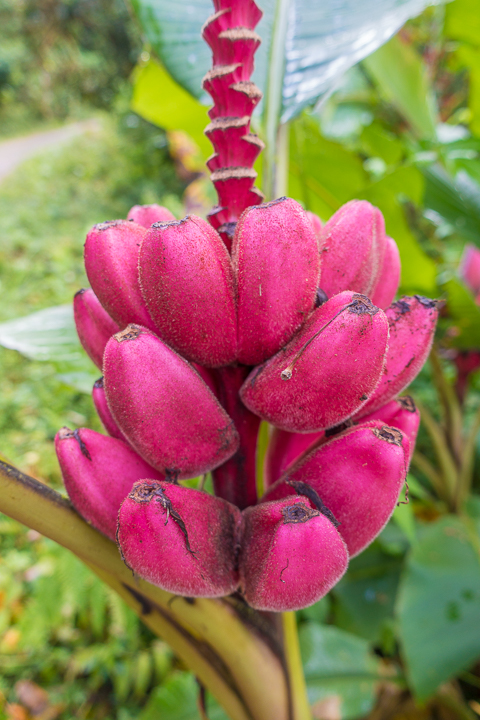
[
  {"x": 418, "y": 270},
  {"x": 401, "y": 77},
  {"x": 456, "y": 200},
  {"x": 45, "y": 335},
  {"x": 339, "y": 669},
  {"x": 466, "y": 314},
  {"x": 462, "y": 22},
  {"x": 439, "y": 604},
  {"x": 365, "y": 596},
  {"x": 50, "y": 335},
  {"x": 306, "y": 46},
  {"x": 322, "y": 174},
  {"x": 161, "y": 101}
]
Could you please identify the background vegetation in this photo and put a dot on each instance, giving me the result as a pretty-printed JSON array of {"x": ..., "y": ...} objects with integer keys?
[{"x": 397, "y": 637}]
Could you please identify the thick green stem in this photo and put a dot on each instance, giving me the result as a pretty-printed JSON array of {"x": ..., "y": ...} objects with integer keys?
[
  {"x": 236, "y": 653},
  {"x": 298, "y": 687}
]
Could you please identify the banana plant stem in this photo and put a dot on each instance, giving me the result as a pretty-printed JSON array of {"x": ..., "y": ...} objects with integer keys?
[{"x": 298, "y": 688}]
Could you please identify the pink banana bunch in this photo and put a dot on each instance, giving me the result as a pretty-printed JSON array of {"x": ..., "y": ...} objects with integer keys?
[{"x": 205, "y": 328}]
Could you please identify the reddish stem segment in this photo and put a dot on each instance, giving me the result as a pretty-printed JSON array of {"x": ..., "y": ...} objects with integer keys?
[
  {"x": 230, "y": 34},
  {"x": 235, "y": 479}
]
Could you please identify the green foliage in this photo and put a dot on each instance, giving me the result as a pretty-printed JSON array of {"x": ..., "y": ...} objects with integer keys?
[
  {"x": 401, "y": 78},
  {"x": 338, "y": 667},
  {"x": 64, "y": 630},
  {"x": 438, "y": 604},
  {"x": 161, "y": 101},
  {"x": 321, "y": 44},
  {"x": 62, "y": 57}
]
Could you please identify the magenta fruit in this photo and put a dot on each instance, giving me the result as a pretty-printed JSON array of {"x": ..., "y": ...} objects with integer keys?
[
  {"x": 401, "y": 413},
  {"x": 412, "y": 322},
  {"x": 291, "y": 555},
  {"x": 146, "y": 215},
  {"x": 94, "y": 325},
  {"x": 352, "y": 246},
  {"x": 327, "y": 372},
  {"x": 275, "y": 257},
  {"x": 316, "y": 223},
  {"x": 358, "y": 475},
  {"x": 187, "y": 281},
  {"x": 163, "y": 407},
  {"x": 101, "y": 406},
  {"x": 283, "y": 449},
  {"x": 389, "y": 276},
  {"x": 111, "y": 262},
  {"x": 183, "y": 540},
  {"x": 98, "y": 472}
]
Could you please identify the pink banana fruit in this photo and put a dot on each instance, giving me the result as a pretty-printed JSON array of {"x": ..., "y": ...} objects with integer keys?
[
  {"x": 358, "y": 475},
  {"x": 389, "y": 276},
  {"x": 146, "y": 215},
  {"x": 101, "y": 406},
  {"x": 276, "y": 263},
  {"x": 94, "y": 325},
  {"x": 187, "y": 281},
  {"x": 352, "y": 247},
  {"x": 412, "y": 322},
  {"x": 401, "y": 413},
  {"x": 183, "y": 540},
  {"x": 98, "y": 473},
  {"x": 163, "y": 407},
  {"x": 291, "y": 555},
  {"x": 328, "y": 370},
  {"x": 111, "y": 262}
]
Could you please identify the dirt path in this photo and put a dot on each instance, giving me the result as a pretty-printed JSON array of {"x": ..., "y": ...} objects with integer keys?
[{"x": 16, "y": 150}]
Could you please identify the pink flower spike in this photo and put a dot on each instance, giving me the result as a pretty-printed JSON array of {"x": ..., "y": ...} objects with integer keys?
[
  {"x": 99, "y": 472},
  {"x": 163, "y": 407},
  {"x": 412, "y": 322},
  {"x": 275, "y": 258},
  {"x": 111, "y": 262},
  {"x": 470, "y": 268},
  {"x": 187, "y": 281},
  {"x": 401, "y": 413},
  {"x": 352, "y": 247},
  {"x": 291, "y": 555},
  {"x": 94, "y": 325},
  {"x": 146, "y": 215},
  {"x": 358, "y": 475},
  {"x": 101, "y": 406},
  {"x": 183, "y": 540},
  {"x": 328, "y": 370},
  {"x": 389, "y": 277}
]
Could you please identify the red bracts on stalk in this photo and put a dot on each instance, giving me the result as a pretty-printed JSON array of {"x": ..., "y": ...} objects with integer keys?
[{"x": 230, "y": 34}]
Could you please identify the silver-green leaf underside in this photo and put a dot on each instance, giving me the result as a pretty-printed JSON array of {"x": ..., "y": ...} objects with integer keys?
[{"x": 306, "y": 46}]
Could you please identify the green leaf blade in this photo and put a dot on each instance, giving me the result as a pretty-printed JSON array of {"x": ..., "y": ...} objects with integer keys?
[{"x": 439, "y": 605}]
